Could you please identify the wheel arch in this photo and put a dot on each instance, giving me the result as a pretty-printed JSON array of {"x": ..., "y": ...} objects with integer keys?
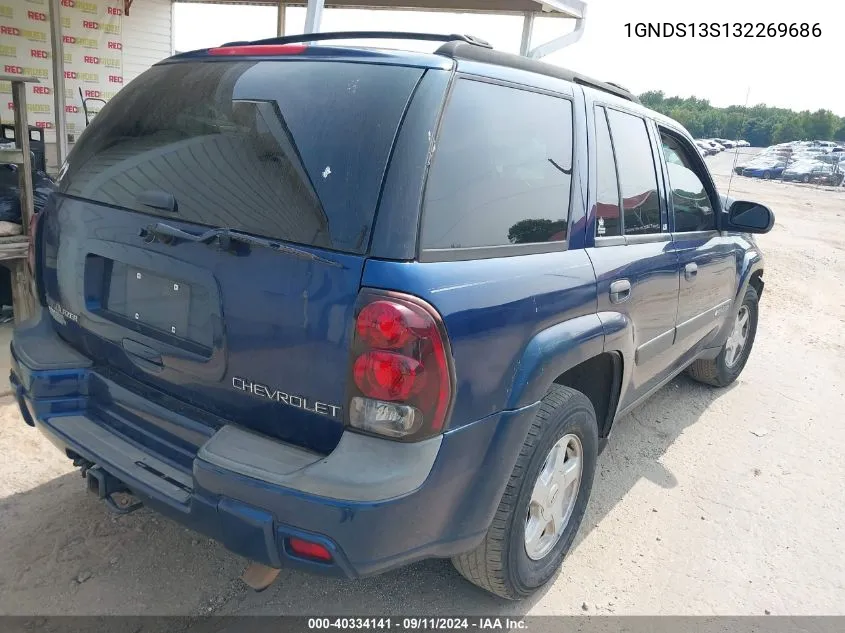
[
  {"x": 551, "y": 353},
  {"x": 589, "y": 353},
  {"x": 600, "y": 379},
  {"x": 756, "y": 281}
]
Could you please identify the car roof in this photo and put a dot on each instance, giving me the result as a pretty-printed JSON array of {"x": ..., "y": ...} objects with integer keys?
[
  {"x": 455, "y": 48},
  {"x": 461, "y": 50}
]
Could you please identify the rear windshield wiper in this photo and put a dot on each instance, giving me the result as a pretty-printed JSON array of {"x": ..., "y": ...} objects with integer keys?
[{"x": 224, "y": 237}]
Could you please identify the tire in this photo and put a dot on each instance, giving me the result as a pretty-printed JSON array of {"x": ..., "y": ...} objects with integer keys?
[
  {"x": 501, "y": 563},
  {"x": 805, "y": 178},
  {"x": 720, "y": 371},
  {"x": 767, "y": 175}
]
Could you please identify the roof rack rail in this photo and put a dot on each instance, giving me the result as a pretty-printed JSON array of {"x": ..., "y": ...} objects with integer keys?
[
  {"x": 459, "y": 50},
  {"x": 366, "y": 35}
]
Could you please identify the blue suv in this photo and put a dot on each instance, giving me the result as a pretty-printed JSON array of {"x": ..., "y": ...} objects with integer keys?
[{"x": 345, "y": 308}]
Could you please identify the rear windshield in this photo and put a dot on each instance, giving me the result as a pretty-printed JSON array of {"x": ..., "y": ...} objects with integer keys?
[{"x": 291, "y": 150}]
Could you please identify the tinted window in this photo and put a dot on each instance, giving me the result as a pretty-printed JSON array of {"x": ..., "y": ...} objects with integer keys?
[
  {"x": 502, "y": 169},
  {"x": 637, "y": 178},
  {"x": 293, "y": 150},
  {"x": 690, "y": 202},
  {"x": 608, "y": 220}
]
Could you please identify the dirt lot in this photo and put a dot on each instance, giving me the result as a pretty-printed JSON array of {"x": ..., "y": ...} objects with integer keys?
[{"x": 707, "y": 502}]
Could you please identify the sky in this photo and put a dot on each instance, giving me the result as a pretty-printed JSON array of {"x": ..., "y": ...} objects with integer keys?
[{"x": 798, "y": 73}]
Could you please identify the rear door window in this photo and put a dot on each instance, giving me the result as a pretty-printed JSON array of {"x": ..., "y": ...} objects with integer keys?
[
  {"x": 637, "y": 175},
  {"x": 502, "y": 169},
  {"x": 293, "y": 150},
  {"x": 608, "y": 211}
]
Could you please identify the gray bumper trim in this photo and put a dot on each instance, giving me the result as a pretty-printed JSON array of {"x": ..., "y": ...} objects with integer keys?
[
  {"x": 119, "y": 454},
  {"x": 361, "y": 468},
  {"x": 39, "y": 347}
]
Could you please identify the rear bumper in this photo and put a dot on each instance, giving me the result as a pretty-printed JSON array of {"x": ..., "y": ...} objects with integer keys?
[{"x": 375, "y": 504}]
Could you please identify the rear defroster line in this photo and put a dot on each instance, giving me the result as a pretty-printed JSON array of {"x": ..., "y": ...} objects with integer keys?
[{"x": 167, "y": 234}]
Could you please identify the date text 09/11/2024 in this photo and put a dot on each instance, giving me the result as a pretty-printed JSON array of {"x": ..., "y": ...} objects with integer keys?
[
  {"x": 416, "y": 623},
  {"x": 722, "y": 29}
]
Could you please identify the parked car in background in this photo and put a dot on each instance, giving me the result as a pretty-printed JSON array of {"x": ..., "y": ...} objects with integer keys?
[
  {"x": 811, "y": 151},
  {"x": 827, "y": 175},
  {"x": 831, "y": 158},
  {"x": 706, "y": 147},
  {"x": 766, "y": 169},
  {"x": 742, "y": 143},
  {"x": 801, "y": 170},
  {"x": 727, "y": 144},
  {"x": 815, "y": 171}
]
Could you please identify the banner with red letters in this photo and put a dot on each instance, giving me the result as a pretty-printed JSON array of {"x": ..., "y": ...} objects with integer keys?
[{"x": 93, "y": 58}]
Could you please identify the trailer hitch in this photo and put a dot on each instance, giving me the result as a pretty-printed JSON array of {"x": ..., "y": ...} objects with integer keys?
[{"x": 110, "y": 489}]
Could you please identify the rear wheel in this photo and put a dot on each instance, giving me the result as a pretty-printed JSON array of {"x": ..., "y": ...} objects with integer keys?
[
  {"x": 805, "y": 178},
  {"x": 767, "y": 175},
  {"x": 544, "y": 501},
  {"x": 726, "y": 367}
]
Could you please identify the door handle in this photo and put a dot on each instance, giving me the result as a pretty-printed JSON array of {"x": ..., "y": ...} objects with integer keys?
[
  {"x": 690, "y": 271},
  {"x": 620, "y": 291}
]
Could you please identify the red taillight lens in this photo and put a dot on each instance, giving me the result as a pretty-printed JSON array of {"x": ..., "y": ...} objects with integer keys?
[
  {"x": 401, "y": 382},
  {"x": 388, "y": 376},
  {"x": 384, "y": 325},
  {"x": 259, "y": 49},
  {"x": 307, "y": 549}
]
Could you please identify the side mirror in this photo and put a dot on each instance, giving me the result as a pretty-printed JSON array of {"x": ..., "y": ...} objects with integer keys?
[{"x": 748, "y": 217}]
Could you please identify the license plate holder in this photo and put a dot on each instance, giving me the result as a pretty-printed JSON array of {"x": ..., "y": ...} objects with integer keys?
[{"x": 156, "y": 301}]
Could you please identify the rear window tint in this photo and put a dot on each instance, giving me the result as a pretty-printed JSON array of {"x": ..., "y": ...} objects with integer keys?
[
  {"x": 293, "y": 150},
  {"x": 637, "y": 177},
  {"x": 502, "y": 169},
  {"x": 608, "y": 215}
]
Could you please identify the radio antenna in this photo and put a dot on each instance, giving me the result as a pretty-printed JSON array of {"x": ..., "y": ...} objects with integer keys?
[{"x": 736, "y": 150}]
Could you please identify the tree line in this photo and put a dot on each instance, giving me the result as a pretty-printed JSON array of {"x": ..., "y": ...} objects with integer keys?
[{"x": 760, "y": 125}]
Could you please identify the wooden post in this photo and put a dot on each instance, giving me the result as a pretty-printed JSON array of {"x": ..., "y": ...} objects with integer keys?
[
  {"x": 23, "y": 303},
  {"x": 22, "y": 143},
  {"x": 22, "y": 300}
]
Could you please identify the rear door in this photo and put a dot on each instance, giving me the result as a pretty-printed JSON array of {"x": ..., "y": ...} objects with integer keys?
[
  {"x": 635, "y": 262},
  {"x": 708, "y": 261},
  {"x": 210, "y": 235}
]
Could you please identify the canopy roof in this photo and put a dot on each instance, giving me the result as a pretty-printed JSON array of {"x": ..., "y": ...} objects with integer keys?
[
  {"x": 573, "y": 9},
  {"x": 551, "y": 8}
]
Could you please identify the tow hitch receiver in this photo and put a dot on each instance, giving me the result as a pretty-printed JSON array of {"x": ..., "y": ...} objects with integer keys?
[{"x": 111, "y": 490}]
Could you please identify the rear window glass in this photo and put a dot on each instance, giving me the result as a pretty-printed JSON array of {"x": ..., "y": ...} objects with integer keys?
[
  {"x": 502, "y": 169},
  {"x": 637, "y": 177},
  {"x": 291, "y": 150}
]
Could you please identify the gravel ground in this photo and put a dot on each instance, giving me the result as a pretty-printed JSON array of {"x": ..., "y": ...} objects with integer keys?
[{"x": 706, "y": 502}]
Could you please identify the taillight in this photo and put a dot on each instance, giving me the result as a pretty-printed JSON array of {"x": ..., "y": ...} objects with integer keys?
[{"x": 401, "y": 379}]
